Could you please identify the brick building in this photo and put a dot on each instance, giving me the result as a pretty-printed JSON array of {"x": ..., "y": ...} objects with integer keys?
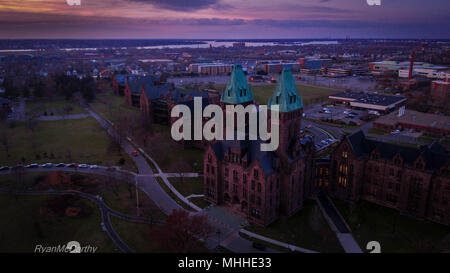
[
  {"x": 119, "y": 83},
  {"x": 414, "y": 181},
  {"x": 261, "y": 185}
]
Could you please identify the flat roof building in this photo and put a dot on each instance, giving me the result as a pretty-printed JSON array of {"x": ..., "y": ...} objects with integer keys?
[
  {"x": 368, "y": 101},
  {"x": 423, "y": 122}
]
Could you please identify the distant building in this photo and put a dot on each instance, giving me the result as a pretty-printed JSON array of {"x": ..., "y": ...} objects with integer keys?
[
  {"x": 422, "y": 122},
  {"x": 414, "y": 181},
  {"x": 368, "y": 101},
  {"x": 314, "y": 64},
  {"x": 210, "y": 68},
  {"x": 133, "y": 88},
  {"x": 119, "y": 83},
  {"x": 440, "y": 90}
]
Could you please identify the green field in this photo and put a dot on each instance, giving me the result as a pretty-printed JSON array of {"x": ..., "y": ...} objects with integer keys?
[
  {"x": 77, "y": 140},
  {"x": 23, "y": 227},
  {"x": 136, "y": 235},
  {"x": 170, "y": 156},
  {"x": 187, "y": 185},
  {"x": 112, "y": 106},
  {"x": 310, "y": 94},
  {"x": 200, "y": 202},
  {"x": 307, "y": 228},
  {"x": 57, "y": 106},
  {"x": 395, "y": 232}
]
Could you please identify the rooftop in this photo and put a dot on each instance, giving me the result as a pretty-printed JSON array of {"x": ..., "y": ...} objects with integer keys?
[
  {"x": 416, "y": 118},
  {"x": 369, "y": 98}
]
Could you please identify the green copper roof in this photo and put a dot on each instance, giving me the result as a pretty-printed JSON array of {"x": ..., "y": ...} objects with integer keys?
[
  {"x": 237, "y": 90},
  {"x": 286, "y": 95}
]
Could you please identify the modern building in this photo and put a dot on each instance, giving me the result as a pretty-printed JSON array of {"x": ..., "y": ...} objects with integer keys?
[
  {"x": 440, "y": 90},
  {"x": 368, "y": 101},
  {"x": 210, "y": 68},
  {"x": 414, "y": 181},
  {"x": 261, "y": 185},
  {"x": 314, "y": 64}
]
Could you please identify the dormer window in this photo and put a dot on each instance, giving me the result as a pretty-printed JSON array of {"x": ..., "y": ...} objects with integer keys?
[
  {"x": 245, "y": 92},
  {"x": 229, "y": 93},
  {"x": 277, "y": 99},
  {"x": 240, "y": 92}
]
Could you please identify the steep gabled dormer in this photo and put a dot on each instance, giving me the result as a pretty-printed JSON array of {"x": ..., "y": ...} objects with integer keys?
[
  {"x": 237, "y": 90},
  {"x": 397, "y": 160}
]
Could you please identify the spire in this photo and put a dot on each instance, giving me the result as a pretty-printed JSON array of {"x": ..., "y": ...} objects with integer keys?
[
  {"x": 286, "y": 95},
  {"x": 237, "y": 90}
]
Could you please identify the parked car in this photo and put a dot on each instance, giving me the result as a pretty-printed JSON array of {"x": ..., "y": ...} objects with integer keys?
[
  {"x": 395, "y": 132},
  {"x": 93, "y": 167},
  {"x": 60, "y": 165},
  {"x": 32, "y": 165},
  {"x": 135, "y": 153},
  {"x": 258, "y": 246},
  {"x": 308, "y": 126},
  {"x": 83, "y": 166},
  {"x": 4, "y": 168},
  {"x": 72, "y": 165}
]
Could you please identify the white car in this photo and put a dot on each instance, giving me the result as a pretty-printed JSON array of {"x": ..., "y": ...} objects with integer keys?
[
  {"x": 47, "y": 165},
  {"x": 32, "y": 165},
  {"x": 93, "y": 167},
  {"x": 83, "y": 166},
  {"x": 395, "y": 132}
]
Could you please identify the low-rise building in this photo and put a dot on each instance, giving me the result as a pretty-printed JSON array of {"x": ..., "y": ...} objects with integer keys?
[
  {"x": 368, "y": 101},
  {"x": 409, "y": 119}
]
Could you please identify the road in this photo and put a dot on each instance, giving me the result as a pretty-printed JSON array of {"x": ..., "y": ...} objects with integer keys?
[
  {"x": 149, "y": 186},
  {"x": 105, "y": 211}
]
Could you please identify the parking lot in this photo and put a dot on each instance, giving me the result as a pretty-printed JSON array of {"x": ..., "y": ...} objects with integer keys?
[{"x": 335, "y": 113}]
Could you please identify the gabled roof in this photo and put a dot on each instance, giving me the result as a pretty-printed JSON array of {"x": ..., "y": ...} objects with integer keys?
[
  {"x": 122, "y": 78},
  {"x": 286, "y": 95},
  {"x": 253, "y": 153},
  {"x": 137, "y": 82},
  {"x": 237, "y": 90},
  {"x": 434, "y": 155}
]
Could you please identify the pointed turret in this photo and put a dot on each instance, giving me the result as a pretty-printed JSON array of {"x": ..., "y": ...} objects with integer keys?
[
  {"x": 237, "y": 90},
  {"x": 286, "y": 95}
]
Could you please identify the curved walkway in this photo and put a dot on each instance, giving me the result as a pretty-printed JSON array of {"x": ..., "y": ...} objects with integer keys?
[{"x": 105, "y": 211}]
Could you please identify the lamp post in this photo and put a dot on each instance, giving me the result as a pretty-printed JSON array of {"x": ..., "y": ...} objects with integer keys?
[{"x": 137, "y": 196}]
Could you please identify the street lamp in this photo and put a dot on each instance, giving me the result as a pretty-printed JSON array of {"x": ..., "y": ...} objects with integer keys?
[{"x": 137, "y": 196}]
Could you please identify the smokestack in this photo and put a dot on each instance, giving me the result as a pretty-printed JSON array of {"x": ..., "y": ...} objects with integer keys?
[{"x": 411, "y": 64}]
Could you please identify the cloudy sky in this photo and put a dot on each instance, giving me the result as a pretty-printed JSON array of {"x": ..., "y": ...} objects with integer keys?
[{"x": 227, "y": 19}]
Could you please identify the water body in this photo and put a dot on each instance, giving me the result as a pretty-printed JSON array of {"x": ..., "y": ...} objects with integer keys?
[{"x": 189, "y": 44}]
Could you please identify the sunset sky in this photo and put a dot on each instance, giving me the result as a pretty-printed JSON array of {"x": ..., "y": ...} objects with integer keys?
[{"x": 227, "y": 19}]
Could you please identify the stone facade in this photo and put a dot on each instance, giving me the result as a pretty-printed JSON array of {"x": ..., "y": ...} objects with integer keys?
[{"x": 414, "y": 181}]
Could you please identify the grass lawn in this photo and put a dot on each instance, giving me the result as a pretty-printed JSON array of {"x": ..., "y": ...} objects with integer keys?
[
  {"x": 378, "y": 132},
  {"x": 395, "y": 232},
  {"x": 78, "y": 140},
  {"x": 307, "y": 228},
  {"x": 187, "y": 185},
  {"x": 310, "y": 94},
  {"x": 200, "y": 202},
  {"x": 111, "y": 106},
  {"x": 170, "y": 156},
  {"x": 124, "y": 201},
  {"x": 136, "y": 235},
  {"x": 57, "y": 106},
  {"x": 23, "y": 227}
]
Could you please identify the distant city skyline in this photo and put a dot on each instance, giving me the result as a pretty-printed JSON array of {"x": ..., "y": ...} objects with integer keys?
[{"x": 224, "y": 19}]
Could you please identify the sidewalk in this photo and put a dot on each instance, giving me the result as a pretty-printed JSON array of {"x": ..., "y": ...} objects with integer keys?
[{"x": 337, "y": 224}]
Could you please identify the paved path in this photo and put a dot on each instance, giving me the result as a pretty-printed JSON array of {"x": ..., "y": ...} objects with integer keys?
[
  {"x": 337, "y": 224},
  {"x": 64, "y": 117},
  {"x": 154, "y": 191},
  {"x": 105, "y": 211}
]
